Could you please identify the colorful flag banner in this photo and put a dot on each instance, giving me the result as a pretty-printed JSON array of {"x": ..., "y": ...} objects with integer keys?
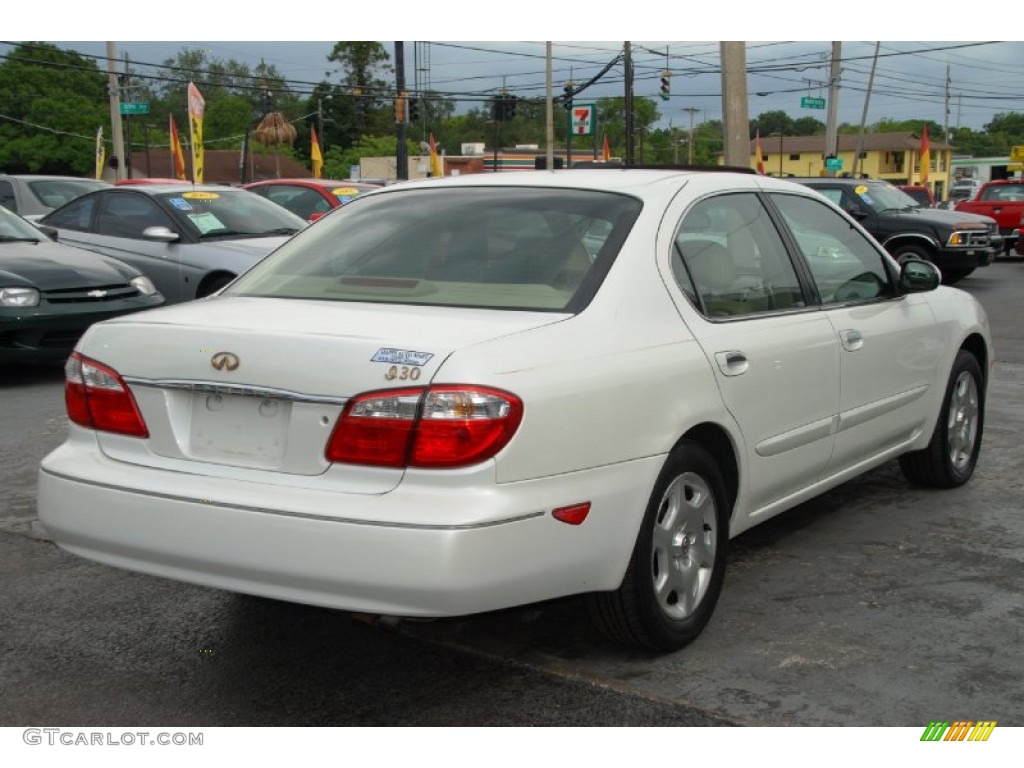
[
  {"x": 760, "y": 153},
  {"x": 926, "y": 155},
  {"x": 315, "y": 155},
  {"x": 101, "y": 152},
  {"x": 177, "y": 156},
  {"x": 436, "y": 166},
  {"x": 196, "y": 108}
]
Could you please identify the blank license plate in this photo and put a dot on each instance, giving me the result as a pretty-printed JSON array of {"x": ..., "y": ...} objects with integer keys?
[{"x": 232, "y": 429}]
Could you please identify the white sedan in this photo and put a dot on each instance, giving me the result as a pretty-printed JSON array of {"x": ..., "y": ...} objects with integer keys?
[{"x": 481, "y": 392}]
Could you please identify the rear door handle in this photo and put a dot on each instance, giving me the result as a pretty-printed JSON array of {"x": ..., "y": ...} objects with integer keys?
[
  {"x": 851, "y": 339},
  {"x": 732, "y": 363}
]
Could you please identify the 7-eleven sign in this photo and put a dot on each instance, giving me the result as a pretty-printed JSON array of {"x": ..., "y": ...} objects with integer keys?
[{"x": 582, "y": 117}]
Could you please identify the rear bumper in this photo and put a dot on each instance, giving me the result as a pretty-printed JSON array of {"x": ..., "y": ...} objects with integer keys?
[{"x": 510, "y": 551}]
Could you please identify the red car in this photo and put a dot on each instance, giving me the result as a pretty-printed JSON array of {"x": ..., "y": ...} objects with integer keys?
[{"x": 309, "y": 198}]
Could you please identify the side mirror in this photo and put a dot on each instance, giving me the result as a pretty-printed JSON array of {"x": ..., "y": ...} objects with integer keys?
[
  {"x": 50, "y": 232},
  {"x": 917, "y": 276},
  {"x": 857, "y": 212},
  {"x": 161, "y": 234}
]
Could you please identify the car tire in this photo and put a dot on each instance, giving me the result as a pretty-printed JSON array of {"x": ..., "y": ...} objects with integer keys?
[
  {"x": 213, "y": 284},
  {"x": 676, "y": 571},
  {"x": 952, "y": 454},
  {"x": 950, "y": 277}
]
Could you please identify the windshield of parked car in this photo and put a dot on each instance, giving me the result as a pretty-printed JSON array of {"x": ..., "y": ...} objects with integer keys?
[
  {"x": 882, "y": 197},
  {"x": 15, "y": 228},
  {"x": 229, "y": 213},
  {"x": 508, "y": 247}
]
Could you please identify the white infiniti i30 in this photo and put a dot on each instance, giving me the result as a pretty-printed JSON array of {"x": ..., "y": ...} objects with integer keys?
[{"x": 473, "y": 393}]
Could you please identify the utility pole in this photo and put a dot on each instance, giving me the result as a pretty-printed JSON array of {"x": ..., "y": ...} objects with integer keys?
[
  {"x": 549, "y": 113},
  {"x": 734, "y": 103},
  {"x": 627, "y": 58},
  {"x": 115, "y": 109},
  {"x": 128, "y": 121},
  {"x": 689, "y": 141},
  {"x": 864, "y": 114},
  {"x": 945, "y": 130},
  {"x": 832, "y": 127},
  {"x": 402, "y": 152}
]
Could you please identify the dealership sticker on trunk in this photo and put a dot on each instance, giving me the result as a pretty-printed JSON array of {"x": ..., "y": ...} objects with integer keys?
[{"x": 401, "y": 356}]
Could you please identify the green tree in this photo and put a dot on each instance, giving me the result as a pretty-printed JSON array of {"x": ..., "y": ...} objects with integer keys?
[{"x": 54, "y": 101}]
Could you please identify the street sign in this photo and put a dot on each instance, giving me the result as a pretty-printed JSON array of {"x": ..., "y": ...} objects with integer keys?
[
  {"x": 833, "y": 163},
  {"x": 582, "y": 117},
  {"x": 134, "y": 108},
  {"x": 811, "y": 102}
]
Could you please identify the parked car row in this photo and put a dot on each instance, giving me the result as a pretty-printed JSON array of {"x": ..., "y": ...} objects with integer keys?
[{"x": 484, "y": 391}]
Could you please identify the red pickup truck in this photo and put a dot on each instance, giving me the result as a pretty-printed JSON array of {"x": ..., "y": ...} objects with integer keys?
[{"x": 1003, "y": 201}]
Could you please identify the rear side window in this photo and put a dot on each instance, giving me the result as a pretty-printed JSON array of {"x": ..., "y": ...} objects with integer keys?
[
  {"x": 76, "y": 215},
  {"x": 730, "y": 260},
  {"x": 511, "y": 248}
]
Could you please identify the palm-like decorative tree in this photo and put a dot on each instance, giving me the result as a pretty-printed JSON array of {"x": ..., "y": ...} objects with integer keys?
[{"x": 273, "y": 131}]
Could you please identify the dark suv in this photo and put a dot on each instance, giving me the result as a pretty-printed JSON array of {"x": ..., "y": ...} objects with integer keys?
[{"x": 957, "y": 243}]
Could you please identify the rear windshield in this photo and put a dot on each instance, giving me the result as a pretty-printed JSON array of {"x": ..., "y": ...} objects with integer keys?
[{"x": 507, "y": 248}]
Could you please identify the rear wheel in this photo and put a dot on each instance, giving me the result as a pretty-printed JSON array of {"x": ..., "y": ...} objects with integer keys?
[
  {"x": 952, "y": 454},
  {"x": 678, "y": 564}
]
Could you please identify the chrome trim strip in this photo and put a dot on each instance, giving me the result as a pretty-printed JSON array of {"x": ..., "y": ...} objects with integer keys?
[
  {"x": 299, "y": 515},
  {"x": 864, "y": 413},
  {"x": 245, "y": 390},
  {"x": 796, "y": 438}
]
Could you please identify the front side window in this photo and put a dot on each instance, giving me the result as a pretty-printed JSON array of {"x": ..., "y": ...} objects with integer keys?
[
  {"x": 128, "y": 215},
  {"x": 512, "y": 248},
  {"x": 845, "y": 266},
  {"x": 731, "y": 261},
  {"x": 53, "y": 193}
]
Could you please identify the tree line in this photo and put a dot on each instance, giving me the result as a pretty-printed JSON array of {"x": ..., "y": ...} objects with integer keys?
[{"x": 54, "y": 100}]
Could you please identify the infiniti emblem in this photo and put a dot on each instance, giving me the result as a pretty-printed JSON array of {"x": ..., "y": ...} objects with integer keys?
[{"x": 224, "y": 361}]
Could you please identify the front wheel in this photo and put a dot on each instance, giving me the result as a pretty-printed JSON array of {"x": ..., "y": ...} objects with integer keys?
[
  {"x": 678, "y": 564},
  {"x": 952, "y": 453}
]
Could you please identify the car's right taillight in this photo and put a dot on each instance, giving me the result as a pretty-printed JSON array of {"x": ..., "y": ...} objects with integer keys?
[
  {"x": 443, "y": 426},
  {"x": 97, "y": 397}
]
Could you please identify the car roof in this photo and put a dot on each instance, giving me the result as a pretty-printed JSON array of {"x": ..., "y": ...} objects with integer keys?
[
  {"x": 157, "y": 189},
  {"x": 627, "y": 180},
  {"x": 312, "y": 183},
  {"x": 53, "y": 177}
]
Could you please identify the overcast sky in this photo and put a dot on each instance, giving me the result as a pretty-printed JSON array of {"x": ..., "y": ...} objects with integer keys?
[{"x": 985, "y": 78}]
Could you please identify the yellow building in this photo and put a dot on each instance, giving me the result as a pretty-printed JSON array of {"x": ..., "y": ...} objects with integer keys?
[{"x": 894, "y": 157}]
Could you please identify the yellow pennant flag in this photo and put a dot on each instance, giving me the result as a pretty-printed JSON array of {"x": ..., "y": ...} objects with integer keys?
[
  {"x": 315, "y": 156},
  {"x": 101, "y": 152},
  {"x": 196, "y": 108},
  {"x": 436, "y": 166}
]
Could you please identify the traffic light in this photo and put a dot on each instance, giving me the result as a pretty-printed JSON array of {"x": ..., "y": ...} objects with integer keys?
[
  {"x": 665, "y": 87},
  {"x": 414, "y": 110},
  {"x": 400, "y": 107},
  {"x": 510, "y": 107},
  {"x": 567, "y": 99}
]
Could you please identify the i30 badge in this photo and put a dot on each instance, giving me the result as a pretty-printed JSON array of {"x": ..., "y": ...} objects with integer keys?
[{"x": 224, "y": 361}]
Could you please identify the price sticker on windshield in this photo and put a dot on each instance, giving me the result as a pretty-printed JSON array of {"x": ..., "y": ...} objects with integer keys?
[{"x": 201, "y": 195}]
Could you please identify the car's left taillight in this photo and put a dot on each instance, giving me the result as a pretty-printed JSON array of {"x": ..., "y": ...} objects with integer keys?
[{"x": 97, "y": 397}]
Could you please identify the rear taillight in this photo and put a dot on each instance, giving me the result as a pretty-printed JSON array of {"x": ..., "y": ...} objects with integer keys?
[
  {"x": 441, "y": 426},
  {"x": 97, "y": 397}
]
